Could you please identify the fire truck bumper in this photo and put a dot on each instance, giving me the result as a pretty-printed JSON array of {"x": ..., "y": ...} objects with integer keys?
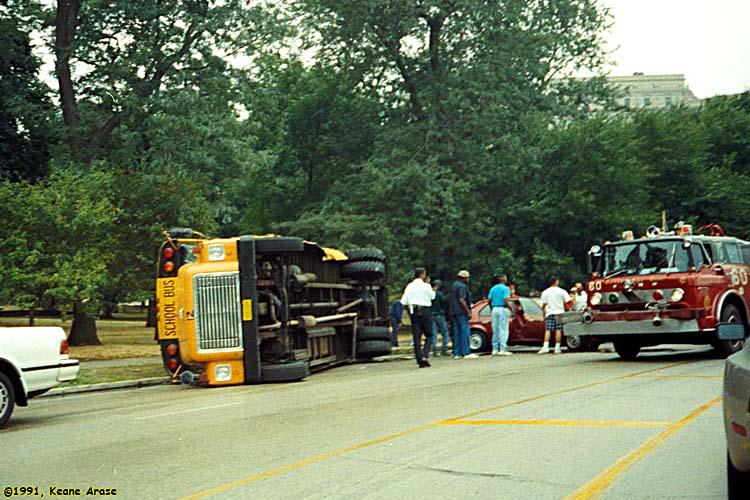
[{"x": 601, "y": 324}]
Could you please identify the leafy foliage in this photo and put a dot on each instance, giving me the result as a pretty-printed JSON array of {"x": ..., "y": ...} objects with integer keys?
[
  {"x": 55, "y": 240},
  {"x": 26, "y": 133}
]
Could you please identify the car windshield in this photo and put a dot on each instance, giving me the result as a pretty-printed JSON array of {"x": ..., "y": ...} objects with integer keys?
[{"x": 649, "y": 257}]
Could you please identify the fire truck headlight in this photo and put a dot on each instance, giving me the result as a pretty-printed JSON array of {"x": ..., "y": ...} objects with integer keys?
[
  {"x": 216, "y": 252},
  {"x": 596, "y": 299},
  {"x": 223, "y": 373},
  {"x": 677, "y": 295}
]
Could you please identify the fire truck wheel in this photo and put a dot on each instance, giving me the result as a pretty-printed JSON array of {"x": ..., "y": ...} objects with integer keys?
[
  {"x": 365, "y": 254},
  {"x": 373, "y": 348},
  {"x": 280, "y": 244},
  {"x": 366, "y": 270},
  {"x": 373, "y": 333},
  {"x": 478, "y": 341},
  {"x": 285, "y": 372},
  {"x": 576, "y": 343},
  {"x": 7, "y": 399},
  {"x": 627, "y": 350},
  {"x": 730, "y": 314}
]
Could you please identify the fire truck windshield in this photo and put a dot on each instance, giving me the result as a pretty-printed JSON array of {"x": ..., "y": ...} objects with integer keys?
[{"x": 648, "y": 257}]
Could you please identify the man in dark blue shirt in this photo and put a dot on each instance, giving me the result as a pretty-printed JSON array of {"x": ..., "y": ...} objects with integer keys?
[
  {"x": 395, "y": 317},
  {"x": 459, "y": 309}
]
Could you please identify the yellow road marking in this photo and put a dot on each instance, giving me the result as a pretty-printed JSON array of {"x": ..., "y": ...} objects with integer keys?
[
  {"x": 603, "y": 482},
  {"x": 675, "y": 376},
  {"x": 564, "y": 391},
  {"x": 302, "y": 463},
  {"x": 342, "y": 451},
  {"x": 558, "y": 423}
]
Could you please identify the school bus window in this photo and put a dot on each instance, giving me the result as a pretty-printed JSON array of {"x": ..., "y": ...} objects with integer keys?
[{"x": 186, "y": 254}]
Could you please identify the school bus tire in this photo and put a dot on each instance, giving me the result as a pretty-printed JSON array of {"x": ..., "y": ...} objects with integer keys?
[
  {"x": 373, "y": 333},
  {"x": 285, "y": 372},
  {"x": 365, "y": 270},
  {"x": 371, "y": 253},
  {"x": 373, "y": 348}
]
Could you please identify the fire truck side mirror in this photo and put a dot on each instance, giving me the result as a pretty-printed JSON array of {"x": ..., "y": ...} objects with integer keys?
[{"x": 592, "y": 259}]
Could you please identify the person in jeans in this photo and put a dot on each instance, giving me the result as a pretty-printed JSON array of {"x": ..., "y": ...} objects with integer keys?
[
  {"x": 395, "y": 318},
  {"x": 438, "y": 320},
  {"x": 499, "y": 298},
  {"x": 417, "y": 299},
  {"x": 459, "y": 309}
]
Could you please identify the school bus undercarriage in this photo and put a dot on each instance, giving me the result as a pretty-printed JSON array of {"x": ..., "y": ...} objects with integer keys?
[{"x": 259, "y": 309}]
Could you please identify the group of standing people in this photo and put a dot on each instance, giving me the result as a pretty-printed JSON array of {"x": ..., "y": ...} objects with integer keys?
[{"x": 428, "y": 306}]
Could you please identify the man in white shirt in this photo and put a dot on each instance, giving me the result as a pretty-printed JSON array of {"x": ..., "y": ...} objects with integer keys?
[
  {"x": 417, "y": 299},
  {"x": 554, "y": 301}
]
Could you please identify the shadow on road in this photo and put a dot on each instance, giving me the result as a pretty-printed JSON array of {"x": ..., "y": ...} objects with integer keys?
[{"x": 663, "y": 354}]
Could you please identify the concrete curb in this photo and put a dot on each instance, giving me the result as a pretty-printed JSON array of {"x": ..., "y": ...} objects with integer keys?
[{"x": 124, "y": 384}]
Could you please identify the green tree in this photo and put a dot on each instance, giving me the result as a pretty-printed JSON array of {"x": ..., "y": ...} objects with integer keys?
[
  {"x": 26, "y": 131},
  {"x": 457, "y": 82},
  {"x": 55, "y": 245}
]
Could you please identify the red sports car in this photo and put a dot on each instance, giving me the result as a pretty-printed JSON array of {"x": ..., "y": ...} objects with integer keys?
[{"x": 526, "y": 326}]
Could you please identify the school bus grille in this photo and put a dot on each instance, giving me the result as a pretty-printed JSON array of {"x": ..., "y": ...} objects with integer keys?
[{"x": 218, "y": 315}]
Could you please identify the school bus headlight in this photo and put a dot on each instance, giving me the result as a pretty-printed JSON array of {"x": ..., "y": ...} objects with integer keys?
[
  {"x": 677, "y": 295},
  {"x": 215, "y": 252},
  {"x": 223, "y": 373}
]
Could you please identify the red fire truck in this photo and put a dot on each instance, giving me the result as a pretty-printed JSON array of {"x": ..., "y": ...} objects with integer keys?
[{"x": 671, "y": 287}]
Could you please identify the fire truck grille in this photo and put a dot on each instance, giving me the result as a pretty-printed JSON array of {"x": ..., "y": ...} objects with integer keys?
[{"x": 218, "y": 315}]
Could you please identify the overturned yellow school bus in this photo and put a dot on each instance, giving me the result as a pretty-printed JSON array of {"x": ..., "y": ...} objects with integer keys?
[{"x": 253, "y": 309}]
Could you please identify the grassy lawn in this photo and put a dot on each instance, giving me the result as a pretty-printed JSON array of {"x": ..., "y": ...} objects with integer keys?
[
  {"x": 116, "y": 374},
  {"x": 124, "y": 337}
]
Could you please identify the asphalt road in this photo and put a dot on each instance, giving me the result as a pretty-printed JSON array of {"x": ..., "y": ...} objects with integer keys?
[{"x": 524, "y": 427}]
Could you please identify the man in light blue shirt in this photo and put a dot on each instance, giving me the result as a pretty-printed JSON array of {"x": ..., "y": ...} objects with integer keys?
[{"x": 499, "y": 298}]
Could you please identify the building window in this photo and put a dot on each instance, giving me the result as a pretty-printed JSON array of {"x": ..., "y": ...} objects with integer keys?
[
  {"x": 627, "y": 102},
  {"x": 646, "y": 101},
  {"x": 667, "y": 101}
]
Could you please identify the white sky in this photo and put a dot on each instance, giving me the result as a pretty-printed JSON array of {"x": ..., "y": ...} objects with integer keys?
[{"x": 706, "y": 40}]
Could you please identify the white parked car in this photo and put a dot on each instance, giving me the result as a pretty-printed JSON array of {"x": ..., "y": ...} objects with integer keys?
[
  {"x": 33, "y": 360},
  {"x": 737, "y": 415}
]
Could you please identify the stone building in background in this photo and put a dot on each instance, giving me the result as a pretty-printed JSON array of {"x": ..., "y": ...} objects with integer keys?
[{"x": 654, "y": 91}]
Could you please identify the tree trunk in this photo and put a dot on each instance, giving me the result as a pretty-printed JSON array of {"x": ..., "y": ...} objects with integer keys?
[
  {"x": 66, "y": 23},
  {"x": 83, "y": 330},
  {"x": 109, "y": 309},
  {"x": 32, "y": 316}
]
